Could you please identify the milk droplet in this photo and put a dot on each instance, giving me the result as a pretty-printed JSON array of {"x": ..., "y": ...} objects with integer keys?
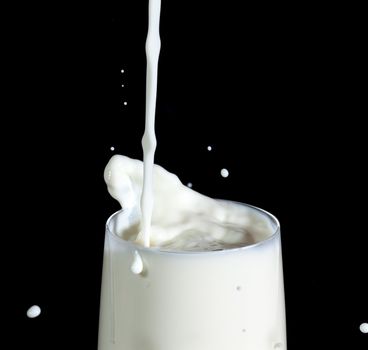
[
  {"x": 364, "y": 327},
  {"x": 189, "y": 184},
  {"x": 122, "y": 85},
  {"x": 137, "y": 265},
  {"x": 112, "y": 148},
  {"x": 224, "y": 172},
  {"x": 209, "y": 148},
  {"x": 34, "y": 311},
  {"x": 125, "y": 103},
  {"x": 122, "y": 71}
]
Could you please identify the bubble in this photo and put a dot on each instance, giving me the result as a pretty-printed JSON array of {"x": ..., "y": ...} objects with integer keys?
[
  {"x": 189, "y": 184},
  {"x": 243, "y": 330},
  {"x": 125, "y": 103},
  {"x": 209, "y": 148},
  {"x": 364, "y": 327},
  {"x": 112, "y": 148},
  {"x": 34, "y": 311},
  {"x": 224, "y": 172},
  {"x": 238, "y": 288}
]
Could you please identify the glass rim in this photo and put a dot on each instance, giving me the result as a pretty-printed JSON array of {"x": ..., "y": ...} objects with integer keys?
[{"x": 159, "y": 250}]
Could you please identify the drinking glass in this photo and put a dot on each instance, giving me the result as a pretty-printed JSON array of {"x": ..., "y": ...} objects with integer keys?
[{"x": 209, "y": 300}]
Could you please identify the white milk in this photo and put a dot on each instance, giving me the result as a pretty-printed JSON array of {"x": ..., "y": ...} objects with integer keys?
[
  {"x": 153, "y": 44},
  {"x": 211, "y": 280},
  {"x": 34, "y": 311},
  {"x": 182, "y": 219},
  {"x": 212, "y": 277}
]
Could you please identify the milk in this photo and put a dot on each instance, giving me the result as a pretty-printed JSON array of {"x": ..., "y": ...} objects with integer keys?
[
  {"x": 182, "y": 219},
  {"x": 229, "y": 299},
  {"x": 153, "y": 44},
  {"x": 211, "y": 280},
  {"x": 183, "y": 271}
]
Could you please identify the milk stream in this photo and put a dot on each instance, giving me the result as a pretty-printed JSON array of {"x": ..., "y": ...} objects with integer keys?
[{"x": 153, "y": 44}]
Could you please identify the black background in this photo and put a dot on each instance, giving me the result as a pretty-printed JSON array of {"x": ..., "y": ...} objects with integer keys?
[{"x": 276, "y": 90}]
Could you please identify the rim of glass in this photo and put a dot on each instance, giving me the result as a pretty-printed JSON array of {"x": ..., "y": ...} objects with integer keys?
[{"x": 274, "y": 221}]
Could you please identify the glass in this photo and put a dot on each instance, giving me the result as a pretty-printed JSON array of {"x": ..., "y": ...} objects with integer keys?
[{"x": 214, "y": 300}]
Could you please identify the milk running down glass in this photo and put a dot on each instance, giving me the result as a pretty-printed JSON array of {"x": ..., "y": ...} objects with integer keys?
[{"x": 211, "y": 280}]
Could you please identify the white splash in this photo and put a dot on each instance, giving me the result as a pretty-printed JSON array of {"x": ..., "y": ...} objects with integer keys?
[
  {"x": 137, "y": 265},
  {"x": 182, "y": 218},
  {"x": 224, "y": 172},
  {"x": 209, "y": 148},
  {"x": 364, "y": 327},
  {"x": 34, "y": 311}
]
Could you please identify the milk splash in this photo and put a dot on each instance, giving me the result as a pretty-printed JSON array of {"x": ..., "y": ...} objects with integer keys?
[
  {"x": 182, "y": 219},
  {"x": 34, "y": 311}
]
